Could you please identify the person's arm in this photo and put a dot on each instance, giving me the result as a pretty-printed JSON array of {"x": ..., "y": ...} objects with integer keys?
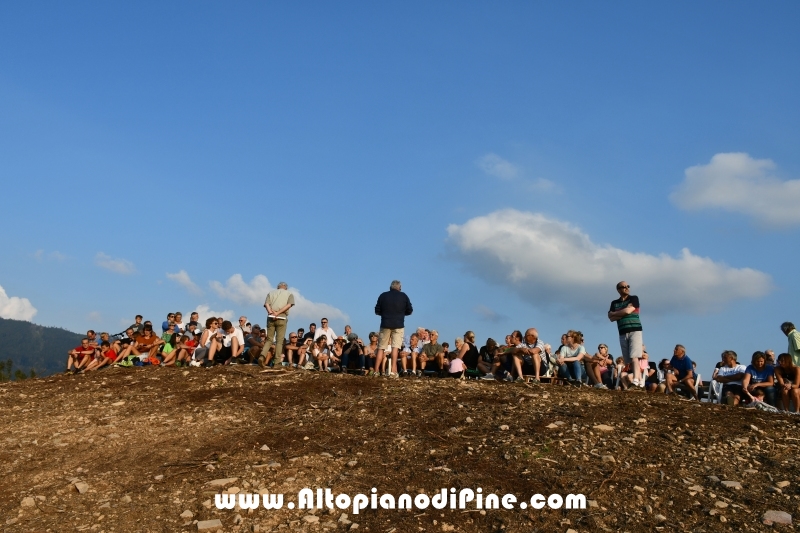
[
  {"x": 613, "y": 316},
  {"x": 409, "y": 308},
  {"x": 746, "y": 381},
  {"x": 463, "y": 351},
  {"x": 769, "y": 382},
  {"x": 727, "y": 379},
  {"x": 270, "y": 312},
  {"x": 378, "y": 308},
  {"x": 796, "y": 383}
]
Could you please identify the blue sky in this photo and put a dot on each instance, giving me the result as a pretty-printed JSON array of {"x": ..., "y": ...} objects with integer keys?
[{"x": 509, "y": 163}]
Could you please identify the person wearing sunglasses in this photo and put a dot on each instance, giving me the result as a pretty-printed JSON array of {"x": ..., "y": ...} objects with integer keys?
[{"x": 625, "y": 312}]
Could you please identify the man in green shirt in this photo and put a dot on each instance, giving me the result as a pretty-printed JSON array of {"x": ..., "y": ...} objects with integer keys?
[
  {"x": 277, "y": 304},
  {"x": 433, "y": 351},
  {"x": 794, "y": 341}
]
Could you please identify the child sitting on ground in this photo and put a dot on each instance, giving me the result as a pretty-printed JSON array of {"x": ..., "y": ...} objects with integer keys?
[{"x": 456, "y": 366}]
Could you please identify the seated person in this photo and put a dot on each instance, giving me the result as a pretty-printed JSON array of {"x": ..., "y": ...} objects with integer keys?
[
  {"x": 652, "y": 380},
  {"x": 530, "y": 351},
  {"x": 760, "y": 375},
  {"x": 291, "y": 352},
  {"x": 137, "y": 325},
  {"x": 788, "y": 377},
  {"x": 432, "y": 355},
  {"x": 335, "y": 359},
  {"x": 321, "y": 353},
  {"x": 456, "y": 367},
  {"x": 370, "y": 351},
  {"x": 170, "y": 331},
  {"x": 80, "y": 357},
  {"x": 253, "y": 345},
  {"x": 410, "y": 354},
  {"x": 570, "y": 357},
  {"x": 353, "y": 351},
  {"x": 620, "y": 369},
  {"x": 599, "y": 366},
  {"x": 486, "y": 356},
  {"x": 200, "y": 355},
  {"x": 169, "y": 351},
  {"x": 225, "y": 345},
  {"x": 170, "y": 320},
  {"x": 682, "y": 375},
  {"x": 147, "y": 344},
  {"x": 103, "y": 356},
  {"x": 184, "y": 350},
  {"x": 730, "y": 374}
]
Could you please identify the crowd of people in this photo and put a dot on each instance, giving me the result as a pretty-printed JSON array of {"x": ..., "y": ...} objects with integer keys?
[
  {"x": 520, "y": 357},
  {"x": 389, "y": 353}
]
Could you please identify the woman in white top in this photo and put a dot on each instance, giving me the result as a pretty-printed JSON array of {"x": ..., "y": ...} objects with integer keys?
[
  {"x": 570, "y": 358},
  {"x": 321, "y": 352},
  {"x": 201, "y": 352}
]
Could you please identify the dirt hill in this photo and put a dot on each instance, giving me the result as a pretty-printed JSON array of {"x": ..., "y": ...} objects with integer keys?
[{"x": 136, "y": 450}]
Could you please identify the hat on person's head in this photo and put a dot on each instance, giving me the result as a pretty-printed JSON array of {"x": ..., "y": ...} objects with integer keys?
[{"x": 352, "y": 337}]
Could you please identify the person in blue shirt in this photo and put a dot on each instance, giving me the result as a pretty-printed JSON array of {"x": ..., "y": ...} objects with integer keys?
[
  {"x": 682, "y": 372},
  {"x": 760, "y": 375}
]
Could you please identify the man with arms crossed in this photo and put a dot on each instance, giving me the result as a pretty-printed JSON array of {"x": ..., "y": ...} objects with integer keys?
[
  {"x": 393, "y": 307},
  {"x": 277, "y": 304},
  {"x": 625, "y": 312}
]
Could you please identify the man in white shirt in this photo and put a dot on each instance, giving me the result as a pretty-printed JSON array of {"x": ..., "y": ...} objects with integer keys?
[
  {"x": 323, "y": 329},
  {"x": 730, "y": 374}
]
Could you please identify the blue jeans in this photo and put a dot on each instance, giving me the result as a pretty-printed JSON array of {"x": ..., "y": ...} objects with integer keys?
[
  {"x": 346, "y": 360},
  {"x": 571, "y": 370}
]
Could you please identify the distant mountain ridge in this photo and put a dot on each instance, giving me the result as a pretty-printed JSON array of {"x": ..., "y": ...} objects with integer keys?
[{"x": 30, "y": 346}]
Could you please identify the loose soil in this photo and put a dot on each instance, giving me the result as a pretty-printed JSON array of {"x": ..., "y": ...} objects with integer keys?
[{"x": 145, "y": 442}]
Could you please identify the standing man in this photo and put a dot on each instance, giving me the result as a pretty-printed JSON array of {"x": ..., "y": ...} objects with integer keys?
[
  {"x": 625, "y": 312},
  {"x": 393, "y": 307},
  {"x": 277, "y": 304},
  {"x": 793, "y": 335}
]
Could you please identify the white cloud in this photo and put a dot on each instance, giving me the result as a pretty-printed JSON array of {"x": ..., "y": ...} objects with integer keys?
[
  {"x": 120, "y": 266},
  {"x": 496, "y": 166},
  {"x": 15, "y": 307},
  {"x": 553, "y": 264},
  {"x": 738, "y": 183},
  {"x": 543, "y": 185},
  {"x": 205, "y": 312},
  {"x": 40, "y": 255},
  {"x": 94, "y": 316},
  {"x": 182, "y": 278},
  {"x": 255, "y": 292},
  {"x": 489, "y": 314}
]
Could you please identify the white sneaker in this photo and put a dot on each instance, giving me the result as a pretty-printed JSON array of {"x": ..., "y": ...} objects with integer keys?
[
  {"x": 636, "y": 383},
  {"x": 194, "y": 363},
  {"x": 488, "y": 376},
  {"x": 392, "y": 374}
]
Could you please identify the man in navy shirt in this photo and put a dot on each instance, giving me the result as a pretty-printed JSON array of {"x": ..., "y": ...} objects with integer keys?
[
  {"x": 393, "y": 307},
  {"x": 682, "y": 372}
]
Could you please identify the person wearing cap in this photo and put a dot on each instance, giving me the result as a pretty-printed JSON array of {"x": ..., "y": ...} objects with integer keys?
[{"x": 277, "y": 304}]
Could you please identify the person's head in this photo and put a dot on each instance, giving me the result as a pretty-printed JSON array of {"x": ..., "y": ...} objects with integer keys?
[
  {"x": 323, "y": 323},
  {"x": 170, "y": 316},
  {"x": 445, "y": 345},
  {"x": 662, "y": 365},
  {"x": 759, "y": 360},
  {"x": 459, "y": 342},
  {"x": 531, "y": 335},
  {"x": 263, "y": 334},
  {"x": 425, "y": 335},
  {"x": 256, "y": 329},
  {"x": 148, "y": 323},
  {"x": 469, "y": 337},
  {"x": 679, "y": 351},
  {"x": 178, "y": 317},
  {"x": 283, "y": 285},
  {"x": 301, "y": 332},
  {"x": 339, "y": 342},
  {"x": 184, "y": 338},
  {"x": 572, "y": 338},
  {"x": 129, "y": 332},
  {"x": 758, "y": 392},
  {"x": 91, "y": 334},
  {"x": 645, "y": 356},
  {"x": 602, "y": 349},
  {"x": 395, "y": 286},
  {"x": 564, "y": 338},
  {"x": 414, "y": 339},
  {"x": 577, "y": 336},
  {"x": 729, "y": 358},
  {"x": 227, "y": 326},
  {"x": 491, "y": 343},
  {"x": 85, "y": 342},
  {"x": 623, "y": 289},
  {"x": 242, "y": 321},
  {"x": 312, "y": 327},
  {"x": 104, "y": 336},
  {"x": 105, "y": 344},
  {"x": 516, "y": 336},
  {"x": 147, "y": 329},
  {"x": 347, "y": 330},
  {"x": 138, "y": 319},
  {"x": 619, "y": 360},
  {"x": 211, "y": 322},
  {"x": 194, "y": 317},
  {"x": 373, "y": 337},
  {"x": 434, "y": 336},
  {"x": 322, "y": 340},
  {"x": 785, "y": 360},
  {"x": 787, "y": 328},
  {"x": 770, "y": 357}
]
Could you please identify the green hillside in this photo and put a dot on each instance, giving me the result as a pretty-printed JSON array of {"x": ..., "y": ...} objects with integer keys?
[{"x": 31, "y": 347}]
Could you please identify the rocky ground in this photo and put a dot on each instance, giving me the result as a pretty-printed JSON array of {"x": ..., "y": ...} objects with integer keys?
[{"x": 147, "y": 450}]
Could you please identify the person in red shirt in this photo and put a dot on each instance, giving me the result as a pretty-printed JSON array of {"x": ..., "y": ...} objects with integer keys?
[
  {"x": 80, "y": 357},
  {"x": 105, "y": 355}
]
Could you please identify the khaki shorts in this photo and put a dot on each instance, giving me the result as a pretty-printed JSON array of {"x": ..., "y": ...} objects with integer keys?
[{"x": 393, "y": 337}]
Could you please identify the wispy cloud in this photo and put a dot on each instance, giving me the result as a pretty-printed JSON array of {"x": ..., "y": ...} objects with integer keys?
[
  {"x": 206, "y": 312},
  {"x": 737, "y": 183},
  {"x": 556, "y": 265},
  {"x": 94, "y": 316},
  {"x": 488, "y": 314},
  {"x": 15, "y": 307},
  {"x": 120, "y": 266},
  {"x": 496, "y": 166},
  {"x": 182, "y": 278},
  {"x": 255, "y": 292},
  {"x": 41, "y": 255}
]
